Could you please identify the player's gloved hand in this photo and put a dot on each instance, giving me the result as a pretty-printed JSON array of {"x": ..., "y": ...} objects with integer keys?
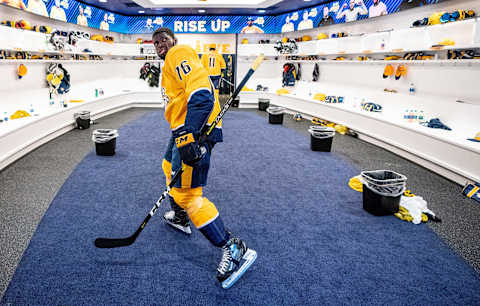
[{"x": 189, "y": 148}]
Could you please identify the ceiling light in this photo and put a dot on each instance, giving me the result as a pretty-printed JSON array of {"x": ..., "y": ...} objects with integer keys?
[
  {"x": 102, "y": 1},
  {"x": 307, "y": 0},
  {"x": 201, "y": 11},
  {"x": 141, "y": 12},
  {"x": 261, "y": 11}
]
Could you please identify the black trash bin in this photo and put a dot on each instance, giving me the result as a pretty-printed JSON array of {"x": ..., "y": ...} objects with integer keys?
[
  {"x": 236, "y": 102},
  {"x": 275, "y": 114},
  {"x": 321, "y": 138},
  {"x": 382, "y": 191},
  {"x": 105, "y": 141},
  {"x": 263, "y": 104},
  {"x": 82, "y": 120}
]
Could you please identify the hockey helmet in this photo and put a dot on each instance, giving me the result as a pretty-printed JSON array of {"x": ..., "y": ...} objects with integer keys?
[
  {"x": 57, "y": 42},
  {"x": 21, "y": 71},
  {"x": 306, "y": 38},
  {"x": 322, "y": 36},
  {"x": 435, "y": 18}
]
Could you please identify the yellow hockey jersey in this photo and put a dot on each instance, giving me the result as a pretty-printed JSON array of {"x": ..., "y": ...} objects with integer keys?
[
  {"x": 214, "y": 63},
  {"x": 189, "y": 94}
]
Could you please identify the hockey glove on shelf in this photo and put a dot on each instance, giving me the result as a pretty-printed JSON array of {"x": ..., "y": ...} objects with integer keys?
[{"x": 190, "y": 150}]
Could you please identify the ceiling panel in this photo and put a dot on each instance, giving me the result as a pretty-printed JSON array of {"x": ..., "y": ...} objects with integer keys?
[{"x": 129, "y": 7}]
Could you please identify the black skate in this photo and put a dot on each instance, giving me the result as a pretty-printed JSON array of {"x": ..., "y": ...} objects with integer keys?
[
  {"x": 236, "y": 259},
  {"x": 177, "y": 218}
]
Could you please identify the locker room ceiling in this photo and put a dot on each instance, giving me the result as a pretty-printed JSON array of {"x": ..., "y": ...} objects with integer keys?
[{"x": 211, "y": 7}]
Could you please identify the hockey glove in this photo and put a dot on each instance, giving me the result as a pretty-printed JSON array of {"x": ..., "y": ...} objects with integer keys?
[{"x": 190, "y": 150}]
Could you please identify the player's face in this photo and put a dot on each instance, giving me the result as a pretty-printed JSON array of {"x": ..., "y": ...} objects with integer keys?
[
  {"x": 375, "y": 1},
  {"x": 163, "y": 42},
  {"x": 249, "y": 23},
  {"x": 57, "y": 3},
  {"x": 80, "y": 10},
  {"x": 352, "y": 4},
  {"x": 325, "y": 11}
]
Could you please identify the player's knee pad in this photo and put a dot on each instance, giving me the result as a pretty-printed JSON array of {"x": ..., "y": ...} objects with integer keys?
[{"x": 191, "y": 200}]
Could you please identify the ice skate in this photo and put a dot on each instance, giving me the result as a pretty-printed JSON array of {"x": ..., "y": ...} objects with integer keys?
[
  {"x": 178, "y": 218},
  {"x": 236, "y": 259}
]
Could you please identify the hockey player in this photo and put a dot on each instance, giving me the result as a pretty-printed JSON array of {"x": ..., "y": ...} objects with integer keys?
[
  {"x": 215, "y": 66},
  {"x": 192, "y": 105}
]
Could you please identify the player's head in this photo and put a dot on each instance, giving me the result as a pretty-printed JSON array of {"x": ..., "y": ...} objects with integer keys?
[
  {"x": 352, "y": 4},
  {"x": 250, "y": 21},
  {"x": 105, "y": 17},
  {"x": 325, "y": 11},
  {"x": 305, "y": 15},
  {"x": 163, "y": 39},
  {"x": 80, "y": 10},
  {"x": 375, "y": 2},
  {"x": 57, "y": 3},
  {"x": 287, "y": 20}
]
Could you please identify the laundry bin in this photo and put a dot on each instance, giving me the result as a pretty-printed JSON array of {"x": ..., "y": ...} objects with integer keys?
[
  {"x": 105, "y": 141},
  {"x": 275, "y": 114},
  {"x": 382, "y": 190},
  {"x": 82, "y": 120},
  {"x": 321, "y": 138},
  {"x": 263, "y": 104}
]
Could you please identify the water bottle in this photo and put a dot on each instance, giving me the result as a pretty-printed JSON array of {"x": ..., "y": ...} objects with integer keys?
[
  {"x": 5, "y": 116},
  {"x": 421, "y": 117},
  {"x": 410, "y": 116},
  {"x": 32, "y": 111},
  {"x": 412, "y": 89}
]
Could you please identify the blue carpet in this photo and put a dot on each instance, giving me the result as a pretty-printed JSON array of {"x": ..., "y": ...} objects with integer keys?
[{"x": 315, "y": 243}]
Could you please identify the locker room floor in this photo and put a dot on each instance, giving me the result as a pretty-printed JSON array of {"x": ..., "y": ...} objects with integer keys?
[{"x": 30, "y": 184}]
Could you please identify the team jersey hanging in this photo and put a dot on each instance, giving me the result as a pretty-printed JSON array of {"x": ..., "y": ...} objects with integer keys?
[
  {"x": 289, "y": 74},
  {"x": 316, "y": 73}
]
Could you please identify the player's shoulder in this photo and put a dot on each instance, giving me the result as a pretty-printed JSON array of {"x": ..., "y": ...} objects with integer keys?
[{"x": 180, "y": 52}]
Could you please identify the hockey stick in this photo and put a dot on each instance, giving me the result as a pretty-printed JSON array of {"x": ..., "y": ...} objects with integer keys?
[
  {"x": 225, "y": 80},
  {"x": 120, "y": 242}
]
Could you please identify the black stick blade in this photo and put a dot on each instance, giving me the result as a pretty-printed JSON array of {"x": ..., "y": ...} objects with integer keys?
[{"x": 108, "y": 243}]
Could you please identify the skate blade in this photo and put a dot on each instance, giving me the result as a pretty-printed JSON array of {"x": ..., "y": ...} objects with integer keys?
[
  {"x": 248, "y": 259},
  {"x": 183, "y": 229}
]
